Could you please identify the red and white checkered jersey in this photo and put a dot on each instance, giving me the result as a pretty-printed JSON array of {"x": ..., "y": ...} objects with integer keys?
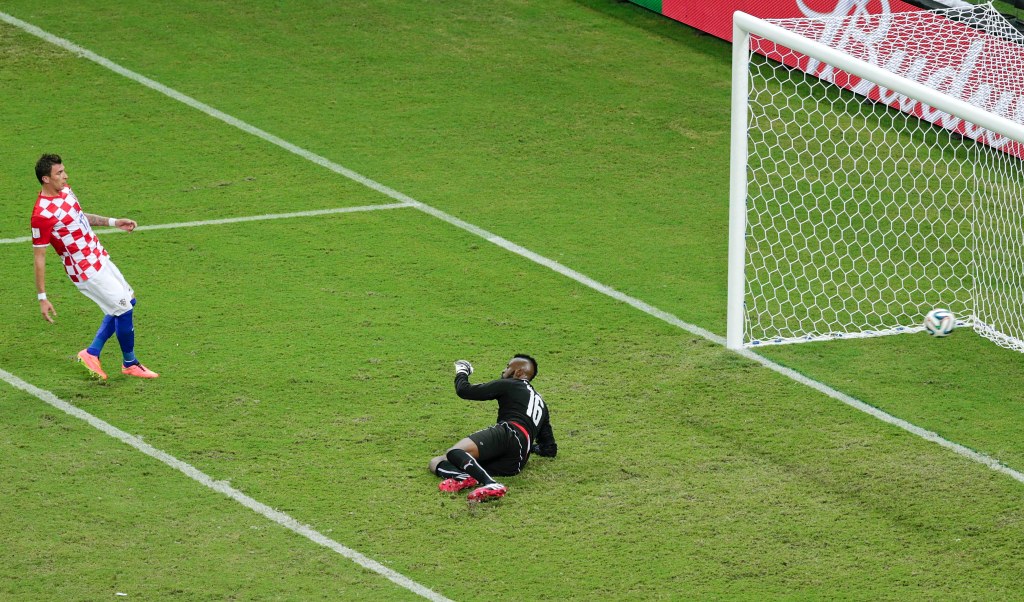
[{"x": 60, "y": 222}]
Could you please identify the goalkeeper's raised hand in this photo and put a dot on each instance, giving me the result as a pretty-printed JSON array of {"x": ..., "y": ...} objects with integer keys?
[{"x": 463, "y": 367}]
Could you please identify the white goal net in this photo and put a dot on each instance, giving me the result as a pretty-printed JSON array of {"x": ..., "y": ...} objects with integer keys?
[{"x": 876, "y": 175}]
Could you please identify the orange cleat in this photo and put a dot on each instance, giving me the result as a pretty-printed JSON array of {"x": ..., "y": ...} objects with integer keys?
[
  {"x": 487, "y": 492},
  {"x": 92, "y": 364},
  {"x": 138, "y": 370}
]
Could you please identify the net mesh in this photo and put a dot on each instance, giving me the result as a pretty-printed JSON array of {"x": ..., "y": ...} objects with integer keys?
[{"x": 866, "y": 208}]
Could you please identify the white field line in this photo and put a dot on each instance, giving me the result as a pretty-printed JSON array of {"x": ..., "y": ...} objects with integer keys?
[
  {"x": 223, "y": 487},
  {"x": 234, "y": 220},
  {"x": 514, "y": 248}
]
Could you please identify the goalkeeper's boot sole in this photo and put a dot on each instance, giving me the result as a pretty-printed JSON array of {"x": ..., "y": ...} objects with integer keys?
[
  {"x": 138, "y": 370},
  {"x": 92, "y": 364},
  {"x": 455, "y": 485},
  {"x": 487, "y": 493}
]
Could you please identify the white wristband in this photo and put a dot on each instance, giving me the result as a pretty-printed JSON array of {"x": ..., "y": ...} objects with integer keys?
[
  {"x": 41, "y": 296},
  {"x": 112, "y": 222}
]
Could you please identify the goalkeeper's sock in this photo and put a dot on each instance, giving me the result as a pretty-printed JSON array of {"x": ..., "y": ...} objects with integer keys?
[
  {"x": 447, "y": 470},
  {"x": 102, "y": 335},
  {"x": 461, "y": 459},
  {"x": 125, "y": 328}
]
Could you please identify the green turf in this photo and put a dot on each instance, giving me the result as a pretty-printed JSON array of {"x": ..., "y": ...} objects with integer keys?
[{"x": 308, "y": 361}]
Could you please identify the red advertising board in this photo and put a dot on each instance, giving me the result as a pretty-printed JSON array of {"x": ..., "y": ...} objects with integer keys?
[
  {"x": 942, "y": 53},
  {"x": 715, "y": 16}
]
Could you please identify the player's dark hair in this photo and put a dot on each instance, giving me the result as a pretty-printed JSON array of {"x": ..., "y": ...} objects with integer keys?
[
  {"x": 531, "y": 360},
  {"x": 45, "y": 165}
]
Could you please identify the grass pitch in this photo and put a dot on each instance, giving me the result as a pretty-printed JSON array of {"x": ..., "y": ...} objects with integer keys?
[{"x": 307, "y": 361}]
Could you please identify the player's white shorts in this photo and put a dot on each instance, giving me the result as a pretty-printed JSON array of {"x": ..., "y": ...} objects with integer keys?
[{"x": 109, "y": 290}]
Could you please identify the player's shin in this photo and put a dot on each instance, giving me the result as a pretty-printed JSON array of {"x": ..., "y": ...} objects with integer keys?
[
  {"x": 125, "y": 328},
  {"x": 104, "y": 333},
  {"x": 462, "y": 460},
  {"x": 447, "y": 470}
]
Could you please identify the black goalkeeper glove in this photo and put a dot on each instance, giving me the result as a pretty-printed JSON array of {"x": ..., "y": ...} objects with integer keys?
[
  {"x": 550, "y": 450},
  {"x": 463, "y": 367}
]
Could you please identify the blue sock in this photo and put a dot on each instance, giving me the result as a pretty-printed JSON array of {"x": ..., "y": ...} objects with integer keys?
[
  {"x": 105, "y": 332},
  {"x": 126, "y": 336}
]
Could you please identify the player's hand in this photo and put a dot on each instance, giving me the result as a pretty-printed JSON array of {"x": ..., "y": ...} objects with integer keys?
[
  {"x": 125, "y": 224},
  {"x": 47, "y": 310},
  {"x": 550, "y": 450},
  {"x": 463, "y": 367}
]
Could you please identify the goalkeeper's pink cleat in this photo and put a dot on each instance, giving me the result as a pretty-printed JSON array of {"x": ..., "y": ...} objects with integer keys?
[
  {"x": 138, "y": 370},
  {"x": 455, "y": 485},
  {"x": 92, "y": 364},
  {"x": 487, "y": 492}
]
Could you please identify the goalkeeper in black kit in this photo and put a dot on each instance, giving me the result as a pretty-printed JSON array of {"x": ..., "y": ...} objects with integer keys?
[{"x": 523, "y": 427}]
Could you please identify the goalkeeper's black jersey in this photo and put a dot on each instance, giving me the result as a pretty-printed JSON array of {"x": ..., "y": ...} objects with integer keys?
[{"x": 517, "y": 402}]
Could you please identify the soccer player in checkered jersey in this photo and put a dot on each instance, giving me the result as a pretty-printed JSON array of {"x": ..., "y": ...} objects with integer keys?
[
  {"x": 523, "y": 427},
  {"x": 58, "y": 221}
]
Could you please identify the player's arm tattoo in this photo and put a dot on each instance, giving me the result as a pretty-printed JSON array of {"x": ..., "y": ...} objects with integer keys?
[{"x": 96, "y": 220}]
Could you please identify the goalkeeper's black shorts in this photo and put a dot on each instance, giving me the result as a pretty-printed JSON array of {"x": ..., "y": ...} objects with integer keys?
[{"x": 504, "y": 448}]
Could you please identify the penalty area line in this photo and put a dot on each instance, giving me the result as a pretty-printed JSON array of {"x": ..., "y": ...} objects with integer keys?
[
  {"x": 223, "y": 487},
  {"x": 235, "y": 220}
]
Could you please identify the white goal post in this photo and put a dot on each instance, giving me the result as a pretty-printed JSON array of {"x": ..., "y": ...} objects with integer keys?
[{"x": 826, "y": 244}]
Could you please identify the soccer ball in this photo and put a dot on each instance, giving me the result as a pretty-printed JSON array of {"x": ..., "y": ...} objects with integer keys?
[{"x": 939, "y": 322}]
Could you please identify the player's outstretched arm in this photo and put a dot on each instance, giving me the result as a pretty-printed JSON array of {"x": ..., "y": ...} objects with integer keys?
[
  {"x": 114, "y": 222},
  {"x": 481, "y": 392},
  {"x": 45, "y": 307}
]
